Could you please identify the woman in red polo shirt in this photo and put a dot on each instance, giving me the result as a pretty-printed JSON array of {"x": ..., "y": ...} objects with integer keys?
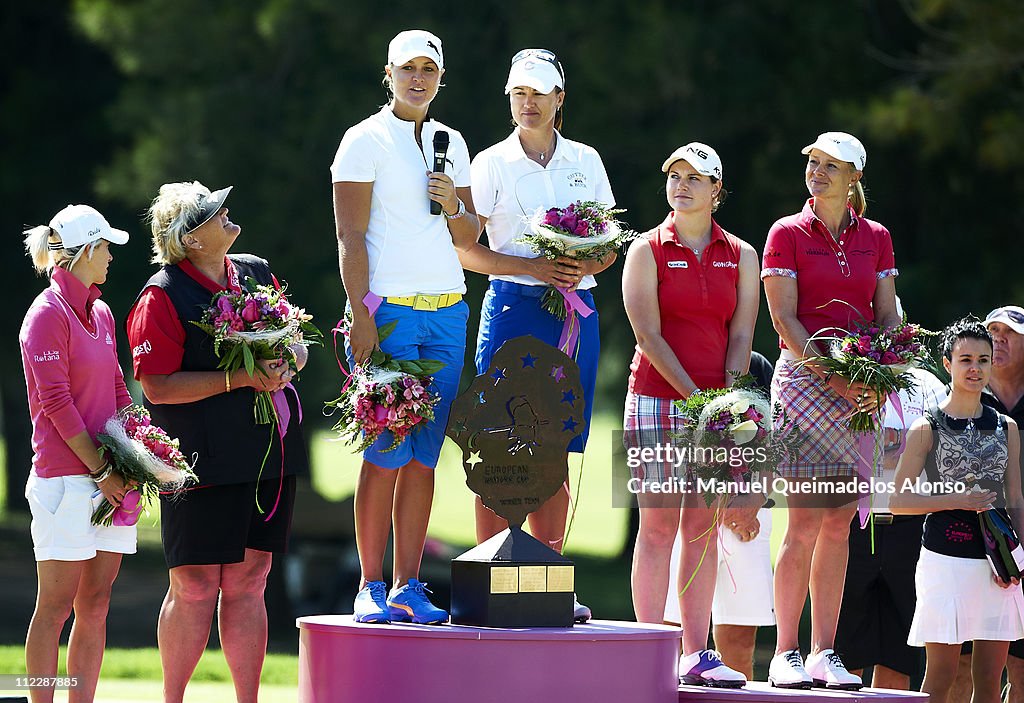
[
  {"x": 691, "y": 294},
  {"x": 824, "y": 268}
]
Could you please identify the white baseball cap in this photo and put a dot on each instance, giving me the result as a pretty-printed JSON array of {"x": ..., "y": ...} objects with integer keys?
[
  {"x": 411, "y": 43},
  {"x": 702, "y": 157},
  {"x": 81, "y": 224},
  {"x": 842, "y": 146},
  {"x": 1010, "y": 315},
  {"x": 535, "y": 68}
]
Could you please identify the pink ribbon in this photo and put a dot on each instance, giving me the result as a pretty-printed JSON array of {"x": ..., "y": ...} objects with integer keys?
[
  {"x": 571, "y": 328},
  {"x": 128, "y": 513},
  {"x": 372, "y": 301},
  {"x": 284, "y": 416},
  {"x": 866, "y": 466}
]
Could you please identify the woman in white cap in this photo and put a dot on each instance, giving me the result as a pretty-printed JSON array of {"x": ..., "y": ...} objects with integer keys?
[
  {"x": 217, "y": 544},
  {"x": 535, "y": 167},
  {"x": 76, "y": 561},
  {"x": 691, "y": 294},
  {"x": 824, "y": 268},
  {"x": 399, "y": 224}
]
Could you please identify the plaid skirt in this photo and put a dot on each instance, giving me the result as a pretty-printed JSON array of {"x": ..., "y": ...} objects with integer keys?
[
  {"x": 647, "y": 422},
  {"x": 827, "y": 447}
]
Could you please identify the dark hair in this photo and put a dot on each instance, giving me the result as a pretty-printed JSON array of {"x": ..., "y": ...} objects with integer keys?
[
  {"x": 968, "y": 327},
  {"x": 720, "y": 198}
]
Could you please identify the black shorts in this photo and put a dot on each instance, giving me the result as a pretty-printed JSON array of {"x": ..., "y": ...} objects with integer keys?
[
  {"x": 215, "y": 524},
  {"x": 879, "y": 597}
]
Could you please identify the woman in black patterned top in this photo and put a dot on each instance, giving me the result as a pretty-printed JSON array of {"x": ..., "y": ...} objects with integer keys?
[{"x": 962, "y": 443}]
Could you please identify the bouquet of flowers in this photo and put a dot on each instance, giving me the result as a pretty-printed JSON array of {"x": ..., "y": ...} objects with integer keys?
[
  {"x": 878, "y": 357},
  {"x": 139, "y": 452},
  {"x": 729, "y": 433},
  {"x": 583, "y": 230},
  {"x": 256, "y": 323},
  {"x": 385, "y": 395}
]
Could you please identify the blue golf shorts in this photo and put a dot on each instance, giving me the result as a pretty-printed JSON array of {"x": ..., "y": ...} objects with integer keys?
[
  {"x": 511, "y": 310},
  {"x": 422, "y": 334}
]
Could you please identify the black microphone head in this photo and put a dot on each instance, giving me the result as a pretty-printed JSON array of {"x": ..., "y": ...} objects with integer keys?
[{"x": 441, "y": 140}]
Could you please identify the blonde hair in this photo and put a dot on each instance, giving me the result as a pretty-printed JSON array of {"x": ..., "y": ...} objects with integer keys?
[
  {"x": 44, "y": 259},
  {"x": 858, "y": 201},
  {"x": 175, "y": 206}
]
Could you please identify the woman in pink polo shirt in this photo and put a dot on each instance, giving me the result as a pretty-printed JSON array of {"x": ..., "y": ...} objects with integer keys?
[
  {"x": 76, "y": 561},
  {"x": 824, "y": 268},
  {"x": 691, "y": 293}
]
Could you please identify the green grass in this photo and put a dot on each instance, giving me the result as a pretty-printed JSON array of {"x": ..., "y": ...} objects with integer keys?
[{"x": 598, "y": 529}]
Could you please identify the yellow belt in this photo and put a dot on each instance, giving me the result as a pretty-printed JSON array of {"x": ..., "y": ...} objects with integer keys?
[{"x": 425, "y": 302}]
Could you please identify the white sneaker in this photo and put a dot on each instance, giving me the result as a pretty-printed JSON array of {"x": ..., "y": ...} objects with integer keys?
[
  {"x": 580, "y": 612},
  {"x": 787, "y": 671},
  {"x": 705, "y": 668},
  {"x": 828, "y": 671}
]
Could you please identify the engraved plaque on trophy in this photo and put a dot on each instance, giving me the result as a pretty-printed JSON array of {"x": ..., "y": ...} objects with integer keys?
[{"x": 514, "y": 425}]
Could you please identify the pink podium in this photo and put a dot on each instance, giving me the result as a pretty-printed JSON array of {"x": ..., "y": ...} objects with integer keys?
[
  {"x": 761, "y": 692},
  {"x": 599, "y": 662}
]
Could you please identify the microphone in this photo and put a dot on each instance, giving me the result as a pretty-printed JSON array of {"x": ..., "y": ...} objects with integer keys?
[{"x": 440, "y": 152}]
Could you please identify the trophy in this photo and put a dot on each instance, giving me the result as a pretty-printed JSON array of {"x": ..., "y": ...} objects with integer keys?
[{"x": 514, "y": 425}]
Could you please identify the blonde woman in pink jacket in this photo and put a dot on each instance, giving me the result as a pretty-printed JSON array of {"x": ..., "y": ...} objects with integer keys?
[{"x": 76, "y": 561}]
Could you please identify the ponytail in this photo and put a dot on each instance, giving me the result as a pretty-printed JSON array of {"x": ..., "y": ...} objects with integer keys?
[
  {"x": 858, "y": 201},
  {"x": 37, "y": 240}
]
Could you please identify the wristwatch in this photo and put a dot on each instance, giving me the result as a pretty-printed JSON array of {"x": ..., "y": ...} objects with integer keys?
[{"x": 458, "y": 213}]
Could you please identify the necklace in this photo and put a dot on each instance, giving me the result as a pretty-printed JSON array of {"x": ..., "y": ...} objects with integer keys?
[{"x": 542, "y": 155}]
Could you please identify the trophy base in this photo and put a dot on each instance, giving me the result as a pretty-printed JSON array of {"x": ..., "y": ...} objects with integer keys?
[{"x": 512, "y": 580}]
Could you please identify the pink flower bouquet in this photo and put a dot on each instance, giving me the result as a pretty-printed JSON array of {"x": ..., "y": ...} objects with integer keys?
[
  {"x": 878, "y": 357},
  {"x": 256, "y": 323},
  {"x": 140, "y": 452},
  {"x": 583, "y": 230},
  {"x": 385, "y": 395}
]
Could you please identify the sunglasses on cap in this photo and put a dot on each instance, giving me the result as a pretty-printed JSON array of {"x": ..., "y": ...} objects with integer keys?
[
  {"x": 1012, "y": 314},
  {"x": 540, "y": 55}
]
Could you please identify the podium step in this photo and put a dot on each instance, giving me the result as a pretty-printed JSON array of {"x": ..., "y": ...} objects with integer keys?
[{"x": 601, "y": 661}]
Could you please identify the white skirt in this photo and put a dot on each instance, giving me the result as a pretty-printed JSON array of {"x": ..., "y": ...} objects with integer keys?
[{"x": 959, "y": 601}]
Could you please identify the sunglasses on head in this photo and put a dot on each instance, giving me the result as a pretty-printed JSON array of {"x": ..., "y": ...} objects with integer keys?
[
  {"x": 540, "y": 55},
  {"x": 1012, "y": 314}
]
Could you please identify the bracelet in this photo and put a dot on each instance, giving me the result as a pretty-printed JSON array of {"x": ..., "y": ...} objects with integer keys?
[
  {"x": 106, "y": 474},
  {"x": 460, "y": 212},
  {"x": 227, "y": 381},
  {"x": 99, "y": 472}
]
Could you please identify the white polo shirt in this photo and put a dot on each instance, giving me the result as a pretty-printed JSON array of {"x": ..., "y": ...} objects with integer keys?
[
  {"x": 410, "y": 251},
  {"x": 508, "y": 188}
]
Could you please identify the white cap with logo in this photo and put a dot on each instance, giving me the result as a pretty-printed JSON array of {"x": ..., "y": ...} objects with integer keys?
[
  {"x": 535, "y": 68},
  {"x": 411, "y": 43},
  {"x": 702, "y": 157},
  {"x": 81, "y": 224},
  {"x": 842, "y": 146}
]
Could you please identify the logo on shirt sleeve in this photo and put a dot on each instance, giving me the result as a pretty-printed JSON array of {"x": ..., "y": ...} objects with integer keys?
[
  {"x": 142, "y": 349},
  {"x": 678, "y": 264},
  {"x": 49, "y": 355}
]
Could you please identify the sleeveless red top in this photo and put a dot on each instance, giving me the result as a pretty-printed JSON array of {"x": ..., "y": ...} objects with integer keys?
[{"x": 696, "y": 298}]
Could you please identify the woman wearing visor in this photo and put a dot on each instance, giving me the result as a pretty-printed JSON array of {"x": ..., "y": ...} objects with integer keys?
[
  {"x": 217, "y": 544},
  {"x": 399, "y": 264},
  {"x": 824, "y": 268},
  {"x": 76, "y": 561},
  {"x": 535, "y": 167}
]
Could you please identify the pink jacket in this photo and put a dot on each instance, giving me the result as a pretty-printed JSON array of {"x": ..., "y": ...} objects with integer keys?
[{"x": 71, "y": 372}]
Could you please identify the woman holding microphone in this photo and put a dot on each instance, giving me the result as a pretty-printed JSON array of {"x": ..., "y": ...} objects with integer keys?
[{"x": 399, "y": 263}]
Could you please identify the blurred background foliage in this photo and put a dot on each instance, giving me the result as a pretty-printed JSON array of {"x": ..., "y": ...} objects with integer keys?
[{"x": 101, "y": 101}]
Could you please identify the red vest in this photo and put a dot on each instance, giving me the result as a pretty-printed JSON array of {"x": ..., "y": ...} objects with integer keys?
[{"x": 696, "y": 299}]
